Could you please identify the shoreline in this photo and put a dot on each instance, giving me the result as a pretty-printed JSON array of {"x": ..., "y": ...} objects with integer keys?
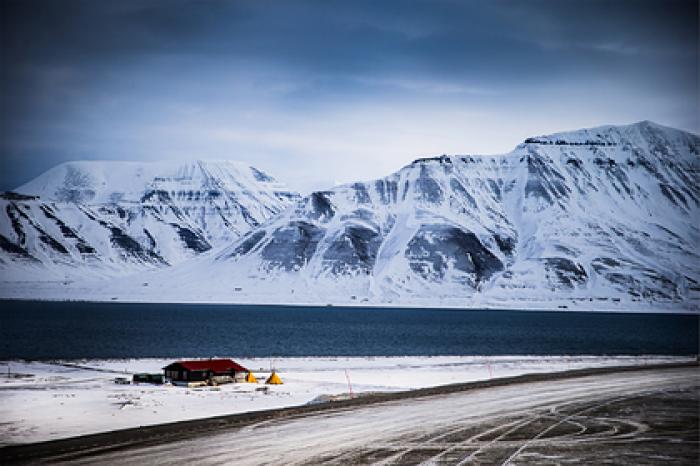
[
  {"x": 346, "y": 307},
  {"x": 475, "y": 358}
]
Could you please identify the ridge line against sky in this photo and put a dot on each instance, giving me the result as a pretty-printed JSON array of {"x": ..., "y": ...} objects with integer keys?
[{"x": 319, "y": 93}]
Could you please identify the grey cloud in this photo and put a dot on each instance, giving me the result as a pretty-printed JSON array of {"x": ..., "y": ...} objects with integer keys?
[{"x": 91, "y": 79}]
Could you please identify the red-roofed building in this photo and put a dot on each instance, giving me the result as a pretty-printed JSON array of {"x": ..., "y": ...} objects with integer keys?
[{"x": 205, "y": 371}]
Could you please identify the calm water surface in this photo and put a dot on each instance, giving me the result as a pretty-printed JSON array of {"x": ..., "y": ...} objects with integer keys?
[{"x": 44, "y": 330}]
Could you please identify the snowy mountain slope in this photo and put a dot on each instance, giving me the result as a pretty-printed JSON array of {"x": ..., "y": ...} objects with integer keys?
[
  {"x": 120, "y": 217},
  {"x": 602, "y": 217}
]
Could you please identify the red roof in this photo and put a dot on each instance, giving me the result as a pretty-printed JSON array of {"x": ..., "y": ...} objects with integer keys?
[{"x": 214, "y": 365}]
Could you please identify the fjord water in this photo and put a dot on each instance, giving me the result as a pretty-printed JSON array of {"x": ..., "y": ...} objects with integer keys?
[{"x": 77, "y": 330}]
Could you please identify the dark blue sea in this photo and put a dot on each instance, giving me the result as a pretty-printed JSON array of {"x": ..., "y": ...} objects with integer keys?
[{"x": 77, "y": 330}]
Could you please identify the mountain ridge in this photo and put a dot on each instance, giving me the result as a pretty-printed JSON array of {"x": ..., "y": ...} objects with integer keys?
[
  {"x": 136, "y": 215},
  {"x": 484, "y": 209},
  {"x": 578, "y": 219}
]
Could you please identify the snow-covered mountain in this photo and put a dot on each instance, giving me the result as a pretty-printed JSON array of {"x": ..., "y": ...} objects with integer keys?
[
  {"x": 116, "y": 217},
  {"x": 597, "y": 218},
  {"x": 602, "y": 218}
]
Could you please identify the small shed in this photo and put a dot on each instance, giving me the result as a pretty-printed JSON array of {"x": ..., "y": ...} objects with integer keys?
[
  {"x": 148, "y": 378},
  {"x": 205, "y": 371}
]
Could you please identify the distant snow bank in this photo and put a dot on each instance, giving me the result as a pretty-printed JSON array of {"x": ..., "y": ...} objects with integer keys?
[{"x": 50, "y": 400}]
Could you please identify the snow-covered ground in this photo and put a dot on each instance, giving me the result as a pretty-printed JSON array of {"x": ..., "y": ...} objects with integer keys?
[{"x": 50, "y": 400}]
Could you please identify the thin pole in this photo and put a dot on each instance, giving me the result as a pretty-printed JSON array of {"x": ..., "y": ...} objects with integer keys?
[{"x": 347, "y": 376}]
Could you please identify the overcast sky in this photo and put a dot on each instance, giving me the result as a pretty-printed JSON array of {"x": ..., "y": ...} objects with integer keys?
[{"x": 322, "y": 92}]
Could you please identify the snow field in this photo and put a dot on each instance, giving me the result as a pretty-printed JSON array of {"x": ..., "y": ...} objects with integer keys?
[{"x": 50, "y": 400}]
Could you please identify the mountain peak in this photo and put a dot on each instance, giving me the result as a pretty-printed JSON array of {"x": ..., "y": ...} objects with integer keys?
[
  {"x": 641, "y": 134},
  {"x": 104, "y": 180}
]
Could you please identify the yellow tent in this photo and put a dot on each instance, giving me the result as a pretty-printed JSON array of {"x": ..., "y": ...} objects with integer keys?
[
  {"x": 250, "y": 378},
  {"x": 274, "y": 379}
]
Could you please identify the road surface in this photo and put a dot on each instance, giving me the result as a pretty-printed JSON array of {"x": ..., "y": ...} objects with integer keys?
[{"x": 633, "y": 417}]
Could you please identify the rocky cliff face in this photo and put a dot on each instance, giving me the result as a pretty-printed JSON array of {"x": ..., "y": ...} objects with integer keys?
[{"x": 605, "y": 214}]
